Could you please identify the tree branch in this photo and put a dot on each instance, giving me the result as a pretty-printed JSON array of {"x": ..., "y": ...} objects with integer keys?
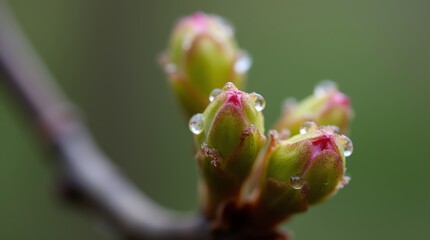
[{"x": 87, "y": 174}]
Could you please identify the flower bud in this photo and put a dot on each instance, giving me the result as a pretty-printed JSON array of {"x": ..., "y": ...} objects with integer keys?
[
  {"x": 301, "y": 171},
  {"x": 229, "y": 135},
  {"x": 203, "y": 55},
  {"x": 327, "y": 106}
]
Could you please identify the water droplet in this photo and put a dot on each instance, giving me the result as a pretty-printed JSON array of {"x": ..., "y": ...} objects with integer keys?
[
  {"x": 324, "y": 87},
  {"x": 196, "y": 123},
  {"x": 347, "y": 146},
  {"x": 228, "y": 86},
  {"x": 170, "y": 68},
  {"x": 260, "y": 103},
  {"x": 297, "y": 182},
  {"x": 243, "y": 62},
  {"x": 214, "y": 93},
  {"x": 308, "y": 126}
]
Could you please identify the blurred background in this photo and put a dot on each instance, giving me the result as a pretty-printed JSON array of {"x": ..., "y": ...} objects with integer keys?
[{"x": 104, "y": 55}]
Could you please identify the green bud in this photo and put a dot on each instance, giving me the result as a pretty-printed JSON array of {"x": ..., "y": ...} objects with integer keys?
[
  {"x": 203, "y": 55},
  {"x": 301, "y": 171},
  {"x": 229, "y": 135},
  {"x": 327, "y": 106}
]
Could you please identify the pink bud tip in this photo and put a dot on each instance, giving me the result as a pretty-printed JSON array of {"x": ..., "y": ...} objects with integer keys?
[
  {"x": 341, "y": 99},
  {"x": 197, "y": 21},
  {"x": 324, "y": 142},
  {"x": 234, "y": 97}
]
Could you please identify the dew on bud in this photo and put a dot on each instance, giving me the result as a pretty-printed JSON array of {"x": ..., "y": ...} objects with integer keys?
[
  {"x": 196, "y": 123},
  {"x": 297, "y": 182},
  {"x": 214, "y": 93},
  {"x": 260, "y": 103},
  {"x": 228, "y": 86},
  {"x": 324, "y": 87},
  {"x": 243, "y": 63},
  {"x": 347, "y": 146},
  {"x": 308, "y": 126}
]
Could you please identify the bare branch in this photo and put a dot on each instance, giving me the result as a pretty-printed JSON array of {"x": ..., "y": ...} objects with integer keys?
[{"x": 88, "y": 175}]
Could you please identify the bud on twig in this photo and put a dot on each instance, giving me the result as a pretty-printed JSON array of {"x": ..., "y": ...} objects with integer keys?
[
  {"x": 203, "y": 55},
  {"x": 301, "y": 171},
  {"x": 229, "y": 135},
  {"x": 327, "y": 106}
]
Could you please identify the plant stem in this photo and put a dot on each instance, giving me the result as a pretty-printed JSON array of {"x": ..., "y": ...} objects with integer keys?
[{"x": 88, "y": 176}]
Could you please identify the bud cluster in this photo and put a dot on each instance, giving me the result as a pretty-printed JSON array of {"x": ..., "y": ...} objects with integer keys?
[{"x": 262, "y": 182}]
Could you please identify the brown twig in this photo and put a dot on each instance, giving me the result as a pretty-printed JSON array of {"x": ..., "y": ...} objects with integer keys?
[{"x": 87, "y": 174}]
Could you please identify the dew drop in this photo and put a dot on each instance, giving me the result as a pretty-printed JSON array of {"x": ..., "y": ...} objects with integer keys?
[
  {"x": 214, "y": 93},
  {"x": 243, "y": 63},
  {"x": 308, "y": 126},
  {"x": 260, "y": 103},
  {"x": 297, "y": 182},
  {"x": 347, "y": 146},
  {"x": 324, "y": 87},
  {"x": 228, "y": 86},
  {"x": 196, "y": 123}
]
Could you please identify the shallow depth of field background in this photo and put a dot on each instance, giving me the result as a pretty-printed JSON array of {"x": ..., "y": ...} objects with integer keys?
[{"x": 104, "y": 55}]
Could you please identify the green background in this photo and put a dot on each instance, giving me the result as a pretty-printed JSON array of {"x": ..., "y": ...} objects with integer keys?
[{"x": 104, "y": 55}]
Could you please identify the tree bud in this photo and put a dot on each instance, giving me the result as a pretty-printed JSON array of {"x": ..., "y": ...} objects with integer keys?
[
  {"x": 327, "y": 106},
  {"x": 229, "y": 135},
  {"x": 203, "y": 55},
  {"x": 301, "y": 171}
]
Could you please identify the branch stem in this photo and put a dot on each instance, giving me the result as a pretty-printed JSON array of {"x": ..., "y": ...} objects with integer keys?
[{"x": 86, "y": 172}]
